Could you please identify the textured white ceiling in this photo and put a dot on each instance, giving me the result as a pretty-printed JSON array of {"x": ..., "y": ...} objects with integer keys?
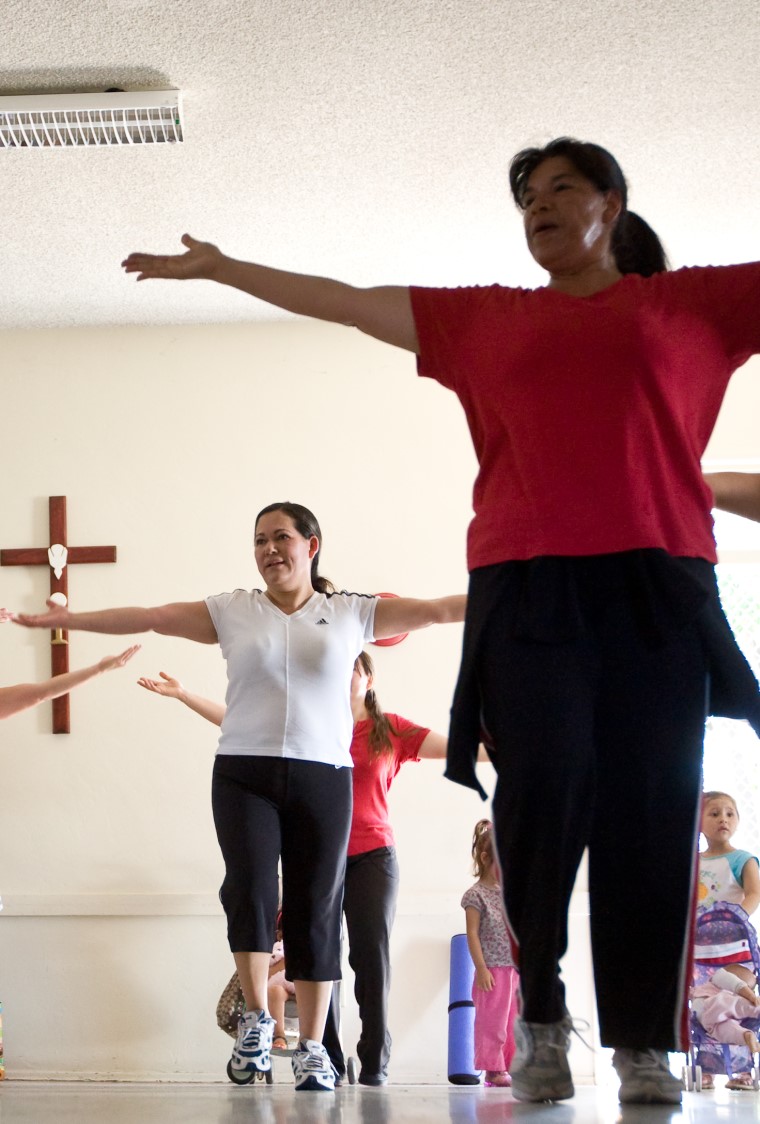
[{"x": 365, "y": 139}]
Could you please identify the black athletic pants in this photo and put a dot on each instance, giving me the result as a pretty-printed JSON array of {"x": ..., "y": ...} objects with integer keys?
[
  {"x": 271, "y": 808},
  {"x": 598, "y": 743},
  {"x": 369, "y": 903}
]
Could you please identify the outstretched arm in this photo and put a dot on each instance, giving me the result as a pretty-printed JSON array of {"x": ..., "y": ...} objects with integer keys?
[
  {"x": 384, "y": 312},
  {"x": 737, "y": 492},
  {"x": 171, "y": 688},
  {"x": 189, "y": 619},
  {"x": 435, "y": 746},
  {"x": 406, "y": 614},
  {"x": 25, "y": 695}
]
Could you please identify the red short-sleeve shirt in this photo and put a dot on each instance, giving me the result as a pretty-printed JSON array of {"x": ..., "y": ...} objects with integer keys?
[
  {"x": 373, "y": 776},
  {"x": 589, "y": 415}
]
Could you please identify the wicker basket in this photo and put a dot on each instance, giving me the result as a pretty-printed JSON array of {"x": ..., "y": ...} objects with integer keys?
[{"x": 230, "y": 1007}]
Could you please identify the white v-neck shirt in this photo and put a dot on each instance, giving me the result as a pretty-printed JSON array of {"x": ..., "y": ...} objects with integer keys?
[{"x": 289, "y": 675}]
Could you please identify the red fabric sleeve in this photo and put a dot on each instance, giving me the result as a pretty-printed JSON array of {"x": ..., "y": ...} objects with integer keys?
[
  {"x": 407, "y": 746},
  {"x": 442, "y": 318}
]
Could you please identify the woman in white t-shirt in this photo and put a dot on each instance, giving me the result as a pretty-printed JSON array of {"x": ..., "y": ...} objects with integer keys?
[{"x": 282, "y": 776}]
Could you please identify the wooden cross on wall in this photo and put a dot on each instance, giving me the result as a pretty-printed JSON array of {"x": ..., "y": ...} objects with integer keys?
[{"x": 59, "y": 557}]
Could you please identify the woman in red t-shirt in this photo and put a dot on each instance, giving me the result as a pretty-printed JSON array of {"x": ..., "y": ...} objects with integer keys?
[
  {"x": 595, "y": 643},
  {"x": 381, "y": 744}
]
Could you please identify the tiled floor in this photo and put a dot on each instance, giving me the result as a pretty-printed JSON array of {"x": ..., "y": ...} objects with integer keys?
[{"x": 25, "y": 1102}]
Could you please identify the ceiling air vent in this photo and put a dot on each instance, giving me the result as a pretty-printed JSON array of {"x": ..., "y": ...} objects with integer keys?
[{"x": 89, "y": 120}]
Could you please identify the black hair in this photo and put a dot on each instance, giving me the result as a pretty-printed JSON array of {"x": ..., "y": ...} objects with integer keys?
[
  {"x": 636, "y": 247},
  {"x": 305, "y": 522}
]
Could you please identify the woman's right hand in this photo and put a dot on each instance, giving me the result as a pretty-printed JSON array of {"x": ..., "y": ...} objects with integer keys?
[
  {"x": 202, "y": 260},
  {"x": 168, "y": 686},
  {"x": 57, "y": 616}
]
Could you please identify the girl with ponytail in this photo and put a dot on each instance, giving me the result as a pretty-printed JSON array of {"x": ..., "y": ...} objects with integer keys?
[{"x": 381, "y": 744}]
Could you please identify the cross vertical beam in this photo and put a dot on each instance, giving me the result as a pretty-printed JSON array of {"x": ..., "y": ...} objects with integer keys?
[{"x": 59, "y": 563}]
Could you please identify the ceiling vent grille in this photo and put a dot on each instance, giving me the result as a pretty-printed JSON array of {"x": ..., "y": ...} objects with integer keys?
[{"x": 91, "y": 120}]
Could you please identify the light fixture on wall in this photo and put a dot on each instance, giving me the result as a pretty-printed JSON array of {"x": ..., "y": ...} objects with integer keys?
[{"x": 91, "y": 120}]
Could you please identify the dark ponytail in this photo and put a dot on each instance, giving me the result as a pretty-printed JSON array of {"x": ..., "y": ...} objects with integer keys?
[
  {"x": 305, "y": 522},
  {"x": 636, "y": 247},
  {"x": 381, "y": 728}
]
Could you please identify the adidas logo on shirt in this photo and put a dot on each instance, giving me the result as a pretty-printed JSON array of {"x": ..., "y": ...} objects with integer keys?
[{"x": 322, "y": 621}]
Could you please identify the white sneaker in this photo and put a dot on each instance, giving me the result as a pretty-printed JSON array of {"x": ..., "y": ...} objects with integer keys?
[
  {"x": 645, "y": 1077},
  {"x": 540, "y": 1070},
  {"x": 312, "y": 1067},
  {"x": 253, "y": 1043}
]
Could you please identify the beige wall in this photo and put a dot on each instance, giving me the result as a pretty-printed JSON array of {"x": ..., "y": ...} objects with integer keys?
[{"x": 167, "y": 442}]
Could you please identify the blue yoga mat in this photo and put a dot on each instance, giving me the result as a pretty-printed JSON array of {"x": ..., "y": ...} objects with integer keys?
[{"x": 461, "y": 1015}]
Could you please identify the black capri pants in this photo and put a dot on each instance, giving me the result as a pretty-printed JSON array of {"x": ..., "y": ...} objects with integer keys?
[{"x": 272, "y": 808}]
